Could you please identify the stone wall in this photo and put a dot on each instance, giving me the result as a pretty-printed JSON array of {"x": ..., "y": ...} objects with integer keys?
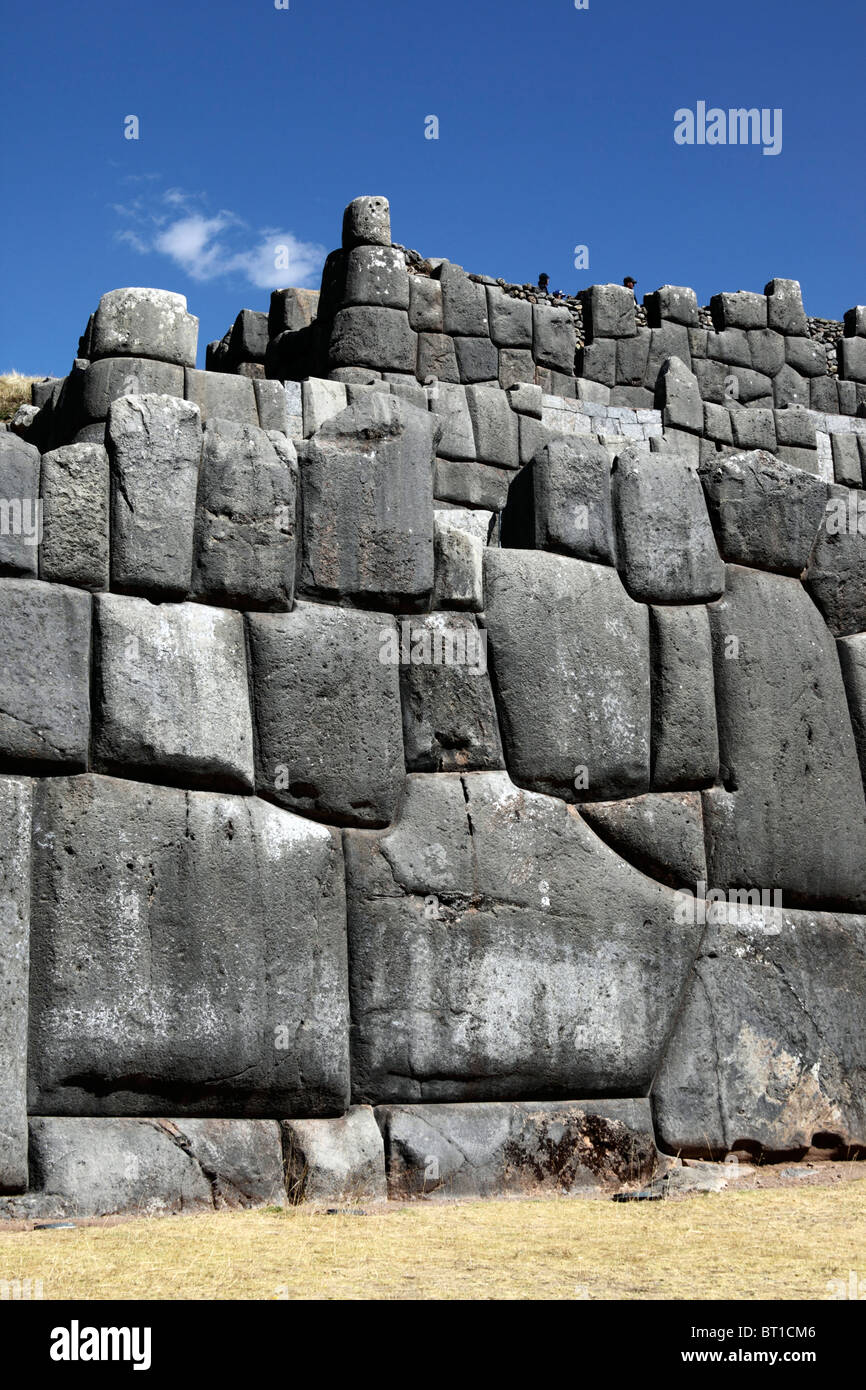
[{"x": 440, "y": 774}]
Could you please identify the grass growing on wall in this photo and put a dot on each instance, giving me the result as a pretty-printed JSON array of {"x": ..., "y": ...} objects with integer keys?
[
  {"x": 777, "y": 1244},
  {"x": 14, "y": 391}
]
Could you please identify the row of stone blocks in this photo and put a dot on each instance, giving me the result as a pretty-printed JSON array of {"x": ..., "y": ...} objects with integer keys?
[{"x": 206, "y": 956}]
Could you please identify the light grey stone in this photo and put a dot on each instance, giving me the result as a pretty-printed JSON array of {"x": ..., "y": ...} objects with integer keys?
[
  {"x": 340, "y": 1160},
  {"x": 608, "y": 312},
  {"x": 19, "y": 506},
  {"x": 685, "y": 742},
  {"x": 321, "y": 401},
  {"x": 449, "y": 718},
  {"x": 768, "y": 350},
  {"x": 836, "y": 573},
  {"x": 464, "y": 303},
  {"x": 449, "y": 404},
  {"x": 222, "y": 395},
  {"x": 852, "y": 659},
  {"x": 75, "y": 493},
  {"x": 172, "y": 693},
  {"x": 740, "y": 310},
  {"x": 437, "y": 358},
  {"x": 807, "y": 357},
  {"x": 526, "y": 399},
  {"x": 15, "y": 824},
  {"x": 665, "y": 545},
  {"x": 272, "y": 404},
  {"x": 45, "y": 675},
  {"x": 510, "y": 319},
  {"x": 730, "y": 346},
  {"x": 553, "y": 338},
  {"x": 458, "y": 557},
  {"x": 144, "y": 323},
  {"x": 662, "y": 834},
  {"x": 753, "y": 429},
  {"x": 597, "y": 362},
  {"x": 579, "y": 724},
  {"x": 471, "y": 484},
  {"x": 516, "y": 368},
  {"x": 790, "y": 388},
  {"x": 345, "y": 765},
  {"x": 425, "y": 304},
  {"x": 367, "y": 222},
  {"x": 489, "y": 930},
  {"x": 847, "y": 468},
  {"x": 214, "y": 955},
  {"x": 678, "y": 396},
  {"x": 671, "y": 340},
  {"x": 717, "y": 423},
  {"x": 494, "y": 426}
]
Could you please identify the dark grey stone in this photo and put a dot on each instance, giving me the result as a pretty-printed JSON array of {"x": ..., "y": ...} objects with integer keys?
[
  {"x": 19, "y": 506},
  {"x": 171, "y": 693},
  {"x": 377, "y": 275},
  {"x": 855, "y": 321},
  {"x": 753, "y": 429},
  {"x": 807, "y": 357},
  {"x": 471, "y": 484},
  {"x": 249, "y": 340},
  {"x": 221, "y": 395},
  {"x": 852, "y": 358},
  {"x": 245, "y": 517},
  {"x": 154, "y": 447},
  {"x": 516, "y": 368},
  {"x": 144, "y": 323},
  {"x": 730, "y": 346},
  {"x": 632, "y": 356},
  {"x": 824, "y": 395},
  {"x": 15, "y": 825},
  {"x": 75, "y": 493},
  {"x": 449, "y": 718},
  {"x": 662, "y": 834},
  {"x": 291, "y": 309},
  {"x": 608, "y": 312},
  {"x": 790, "y": 388},
  {"x": 740, "y": 310},
  {"x": 214, "y": 979},
  {"x": 449, "y": 404},
  {"x": 373, "y": 337},
  {"x": 852, "y": 659},
  {"x": 836, "y": 573},
  {"x": 671, "y": 340},
  {"x": 676, "y": 303},
  {"x": 666, "y": 551},
  {"x": 425, "y": 304},
  {"x": 367, "y": 484},
  {"x": 717, "y": 423},
  {"x": 583, "y": 718},
  {"x": 685, "y": 742},
  {"x": 437, "y": 358},
  {"x": 45, "y": 675},
  {"x": 292, "y": 356},
  {"x": 367, "y": 222},
  {"x": 785, "y": 312},
  {"x": 553, "y": 338},
  {"x": 597, "y": 361},
  {"x": 494, "y": 426},
  {"x": 766, "y": 513},
  {"x": 477, "y": 359},
  {"x": 464, "y": 303},
  {"x": 768, "y": 350},
  {"x": 562, "y": 501},
  {"x": 341, "y": 1160},
  {"x": 678, "y": 396},
  {"x": 712, "y": 378},
  {"x": 510, "y": 320},
  {"x": 326, "y": 701},
  {"x": 791, "y": 813},
  {"x": 490, "y": 931}
]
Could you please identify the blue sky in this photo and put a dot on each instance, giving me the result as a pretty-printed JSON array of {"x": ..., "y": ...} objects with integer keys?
[{"x": 556, "y": 127}]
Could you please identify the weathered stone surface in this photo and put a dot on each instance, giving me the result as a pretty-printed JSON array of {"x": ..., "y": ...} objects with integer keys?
[
  {"x": 154, "y": 446},
  {"x": 340, "y": 1160},
  {"x": 425, "y": 304},
  {"x": 44, "y": 676},
  {"x": 449, "y": 718},
  {"x": 597, "y": 362},
  {"x": 437, "y": 358},
  {"x": 852, "y": 358},
  {"x": 790, "y": 388},
  {"x": 685, "y": 743},
  {"x": 377, "y": 275},
  {"x": 768, "y": 350},
  {"x": 293, "y": 356},
  {"x": 249, "y": 337},
  {"x": 785, "y": 312},
  {"x": 326, "y": 698},
  {"x": 583, "y": 717},
  {"x": 273, "y": 406},
  {"x": 144, "y": 323},
  {"x": 495, "y": 1148},
  {"x": 731, "y": 346},
  {"x": 562, "y": 501},
  {"x": 791, "y": 814},
  {"x": 321, "y": 401},
  {"x": 291, "y": 309},
  {"x": 553, "y": 338},
  {"x": 670, "y": 340},
  {"x": 494, "y": 426},
  {"x": 608, "y": 312},
  {"x": 855, "y": 321},
  {"x": 15, "y": 818},
  {"x": 373, "y": 337},
  {"x": 753, "y": 428},
  {"x": 662, "y": 834},
  {"x": 19, "y": 506},
  {"x": 171, "y": 693},
  {"x": 477, "y": 359},
  {"x": 367, "y": 222},
  {"x": 665, "y": 545},
  {"x": 75, "y": 492},
  {"x": 214, "y": 979},
  {"x": 836, "y": 573},
  {"x": 471, "y": 484},
  {"x": 852, "y": 659},
  {"x": 242, "y": 1159},
  {"x": 807, "y": 357},
  {"x": 769, "y": 1048},
  {"x": 245, "y": 517},
  {"x": 847, "y": 468},
  {"x": 367, "y": 481},
  {"x": 766, "y": 513},
  {"x": 740, "y": 310},
  {"x": 464, "y": 303},
  {"x": 676, "y": 303},
  {"x": 510, "y": 320},
  {"x": 678, "y": 396},
  {"x": 448, "y": 402},
  {"x": 501, "y": 951},
  {"x": 458, "y": 557},
  {"x": 717, "y": 423},
  {"x": 224, "y": 396}
]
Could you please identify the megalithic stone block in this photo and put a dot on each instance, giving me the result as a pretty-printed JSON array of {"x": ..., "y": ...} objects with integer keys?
[
  {"x": 249, "y": 337},
  {"x": 578, "y": 726},
  {"x": 678, "y": 397},
  {"x": 665, "y": 545},
  {"x": 425, "y": 304},
  {"x": 172, "y": 694},
  {"x": 144, "y": 323},
  {"x": 344, "y": 763},
  {"x": 15, "y": 826},
  {"x": 449, "y": 718},
  {"x": 785, "y": 310},
  {"x": 836, "y": 573},
  {"x": 339, "y": 1160},
  {"x": 75, "y": 496},
  {"x": 214, "y": 955},
  {"x": 766, "y": 513},
  {"x": 245, "y": 518},
  {"x": 553, "y": 338},
  {"x": 291, "y": 309},
  {"x": 740, "y": 310},
  {"x": 568, "y": 506},
  {"x": 464, "y": 303},
  {"x": 154, "y": 444},
  {"x": 377, "y": 275},
  {"x": 672, "y": 303},
  {"x": 608, "y": 312},
  {"x": 367, "y": 484},
  {"x": 364, "y": 336},
  {"x": 19, "y": 506},
  {"x": 661, "y": 833},
  {"x": 367, "y": 222},
  {"x": 223, "y": 395},
  {"x": 44, "y": 676},
  {"x": 112, "y": 377},
  {"x": 510, "y": 320},
  {"x": 685, "y": 741}
]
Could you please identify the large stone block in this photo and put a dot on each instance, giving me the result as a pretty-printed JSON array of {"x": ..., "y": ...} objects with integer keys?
[
  {"x": 769, "y": 1048},
  {"x": 171, "y": 693},
  {"x": 666, "y": 549},
  {"x": 340, "y": 1160},
  {"x": 670, "y": 340},
  {"x": 494, "y": 426},
  {"x": 44, "y": 676},
  {"x": 437, "y": 359},
  {"x": 377, "y": 275},
  {"x": 632, "y": 356},
  {"x": 517, "y": 1148},
  {"x": 477, "y": 359},
  {"x": 75, "y": 493},
  {"x": 740, "y": 310},
  {"x": 291, "y": 309},
  {"x": 785, "y": 312},
  {"x": 790, "y": 388},
  {"x": 852, "y": 358},
  {"x": 326, "y": 698},
  {"x": 685, "y": 743},
  {"x": 662, "y": 834},
  {"x": 245, "y": 517},
  {"x": 579, "y": 723},
  {"x": 464, "y": 303},
  {"x": 562, "y": 501},
  {"x": 144, "y": 323},
  {"x": 471, "y": 484},
  {"x": 367, "y": 482},
  {"x": 597, "y": 362},
  {"x": 852, "y": 659},
  {"x": 500, "y": 950},
  {"x": 367, "y": 222},
  {"x": 19, "y": 506},
  {"x": 608, "y": 312},
  {"x": 791, "y": 813},
  {"x": 373, "y": 337},
  {"x": 753, "y": 429},
  {"x": 510, "y": 320},
  {"x": 154, "y": 444},
  {"x": 249, "y": 337},
  {"x": 836, "y": 573},
  {"x": 425, "y": 304},
  {"x": 807, "y": 357},
  {"x": 206, "y": 976},
  {"x": 449, "y": 718},
  {"x": 675, "y": 303},
  {"x": 678, "y": 396},
  {"x": 768, "y": 350},
  {"x": 15, "y": 819},
  {"x": 272, "y": 404},
  {"x": 458, "y": 560},
  {"x": 553, "y": 338},
  {"x": 224, "y": 396},
  {"x": 449, "y": 404}
]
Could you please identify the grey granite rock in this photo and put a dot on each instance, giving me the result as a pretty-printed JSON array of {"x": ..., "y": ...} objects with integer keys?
[
  {"x": 685, "y": 744},
  {"x": 75, "y": 498},
  {"x": 45, "y": 675},
  {"x": 665, "y": 545},
  {"x": 15, "y": 826}
]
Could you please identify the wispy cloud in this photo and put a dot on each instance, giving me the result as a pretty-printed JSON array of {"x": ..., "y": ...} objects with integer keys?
[{"x": 212, "y": 245}]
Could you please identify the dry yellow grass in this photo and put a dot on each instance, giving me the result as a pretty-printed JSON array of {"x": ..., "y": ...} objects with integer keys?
[
  {"x": 776, "y": 1244},
  {"x": 14, "y": 391}
]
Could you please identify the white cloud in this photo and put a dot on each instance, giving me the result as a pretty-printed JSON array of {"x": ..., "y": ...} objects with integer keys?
[{"x": 208, "y": 247}]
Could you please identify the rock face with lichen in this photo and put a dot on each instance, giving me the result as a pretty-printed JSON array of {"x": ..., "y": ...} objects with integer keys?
[{"x": 431, "y": 742}]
